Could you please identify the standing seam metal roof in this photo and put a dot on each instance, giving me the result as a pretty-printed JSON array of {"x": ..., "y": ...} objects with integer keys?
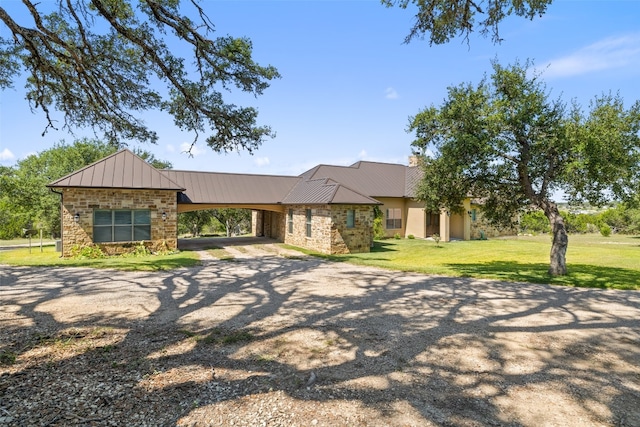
[{"x": 320, "y": 185}]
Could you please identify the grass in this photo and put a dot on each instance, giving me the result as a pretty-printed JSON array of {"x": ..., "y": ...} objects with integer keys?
[
  {"x": 593, "y": 261},
  {"x": 50, "y": 258}
]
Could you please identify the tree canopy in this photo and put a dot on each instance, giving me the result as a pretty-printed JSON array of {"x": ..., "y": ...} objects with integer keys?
[
  {"x": 505, "y": 142},
  {"x": 442, "y": 20},
  {"x": 102, "y": 62}
]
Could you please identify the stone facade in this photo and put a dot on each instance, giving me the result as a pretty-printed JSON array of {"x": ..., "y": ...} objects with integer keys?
[
  {"x": 84, "y": 201},
  {"x": 329, "y": 232}
]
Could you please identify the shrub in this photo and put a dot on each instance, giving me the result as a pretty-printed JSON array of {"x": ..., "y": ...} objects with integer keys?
[
  {"x": 397, "y": 236},
  {"x": 411, "y": 236},
  {"x": 87, "y": 252},
  {"x": 605, "y": 230}
]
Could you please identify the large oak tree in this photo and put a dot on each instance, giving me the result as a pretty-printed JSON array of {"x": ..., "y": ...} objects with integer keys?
[
  {"x": 442, "y": 20},
  {"x": 102, "y": 62},
  {"x": 506, "y": 142}
]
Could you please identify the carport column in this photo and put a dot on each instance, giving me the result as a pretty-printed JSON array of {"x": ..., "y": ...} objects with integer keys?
[
  {"x": 445, "y": 226},
  {"x": 257, "y": 221},
  {"x": 467, "y": 219}
]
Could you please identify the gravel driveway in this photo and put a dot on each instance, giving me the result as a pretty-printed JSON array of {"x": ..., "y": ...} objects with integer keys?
[{"x": 272, "y": 339}]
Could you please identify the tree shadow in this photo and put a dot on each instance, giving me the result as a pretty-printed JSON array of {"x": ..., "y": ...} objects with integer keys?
[
  {"x": 580, "y": 275},
  {"x": 394, "y": 348}
]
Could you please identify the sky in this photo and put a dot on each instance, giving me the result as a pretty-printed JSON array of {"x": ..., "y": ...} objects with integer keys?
[{"x": 350, "y": 84}]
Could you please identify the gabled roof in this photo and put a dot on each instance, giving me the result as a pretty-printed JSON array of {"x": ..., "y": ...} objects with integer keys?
[
  {"x": 230, "y": 188},
  {"x": 371, "y": 178},
  {"x": 325, "y": 191},
  {"x": 324, "y": 184},
  {"x": 119, "y": 170}
]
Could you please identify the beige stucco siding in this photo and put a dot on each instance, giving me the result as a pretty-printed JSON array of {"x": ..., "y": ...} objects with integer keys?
[
  {"x": 393, "y": 203},
  {"x": 416, "y": 221}
]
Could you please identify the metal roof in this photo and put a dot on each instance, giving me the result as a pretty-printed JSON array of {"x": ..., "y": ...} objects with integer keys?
[
  {"x": 229, "y": 188},
  {"x": 324, "y": 184},
  {"x": 119, "y": 170},
  {"x": 370, "y": 178},
  {"x": 325, "y": 191}
]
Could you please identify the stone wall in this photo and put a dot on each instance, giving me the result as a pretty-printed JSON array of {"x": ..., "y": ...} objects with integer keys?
[
  {"x": 329, "y": 232},
  {"x": 351, "y": 240},
  {"x": 481, "y": 229},
  {"x": 83, "y": 201}
]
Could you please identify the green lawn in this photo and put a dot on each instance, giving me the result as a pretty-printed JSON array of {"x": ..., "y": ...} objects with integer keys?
[
  {"x": 50, "y": 258},
  {"x": 593, "y": 261}
]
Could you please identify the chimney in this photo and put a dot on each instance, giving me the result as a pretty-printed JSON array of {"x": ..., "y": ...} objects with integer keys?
[{"x": 414, "y": 161}]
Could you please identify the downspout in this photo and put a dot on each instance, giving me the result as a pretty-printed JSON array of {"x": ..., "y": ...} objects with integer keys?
[{"x": 61, "y": 224}]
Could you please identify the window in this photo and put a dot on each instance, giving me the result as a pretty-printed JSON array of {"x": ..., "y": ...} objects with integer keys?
[
  {"x": 121, "y": 225},
  {"x": 351, "y": 218},
  {"x": 394, "y": 219},
  {"x": 308, "y": 223},
  {"x": 473, "y": 215},
  {"x": 290, "y": 221}
]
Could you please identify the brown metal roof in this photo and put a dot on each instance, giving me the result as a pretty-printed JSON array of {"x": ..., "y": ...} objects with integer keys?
[
  {"x": 119, "y": 170},
  {"x": 370, "y": 178},
  {"x": 229, "y": 188},
  {"x": 323, "y": 184},
  {"x": 325, "y": 191}
]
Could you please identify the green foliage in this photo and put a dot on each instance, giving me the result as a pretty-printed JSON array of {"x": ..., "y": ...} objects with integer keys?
[
  {"x": 534, "y": 222},
  {"x": 397, "y": 236},
  {"x": 411, "y": 236},
  {"x": 140, "y": 250},
  {"x": 440, "y": 21},
  {"x": 378, "y": 226},
  {"x": 505, "y": 142},
  {"x": 605, "y": 230},
  {"x": 194, "y": 222},
  {"x": 233, "y": 221},
  {"x": 94, "y": 61},
  {"x": 87, "y": 252}
]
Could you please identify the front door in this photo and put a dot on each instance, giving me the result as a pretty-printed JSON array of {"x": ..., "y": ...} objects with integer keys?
[{"x": 433, "y": 224}]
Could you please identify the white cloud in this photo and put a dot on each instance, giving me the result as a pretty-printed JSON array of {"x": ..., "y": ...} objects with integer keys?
[
  {"x": 6, "y": 155},
  {"x": 261, "y": 161},
  {"x": 391, "y": 93},
  {"x": 194, "y": 150},
  {"x": 609, "y": 53},
  {"x": 170, "y": 148}
]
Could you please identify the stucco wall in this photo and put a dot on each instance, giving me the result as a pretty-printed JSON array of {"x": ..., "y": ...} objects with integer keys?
[
  {"x": 84, "y": 201},
  {"x": 392, "y": 203},
  {"x": 416, "y": 220}
]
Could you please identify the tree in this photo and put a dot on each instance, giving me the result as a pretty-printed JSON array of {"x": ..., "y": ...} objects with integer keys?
[
  {"x": 443, "y": 20},
  {"x": 506, "y": 142},
  {"x": 99, "y": 62},
  {"x": 195, "y": 221},
  {"x": 26, "y": 202},
  {"x": 232, "y": 219}
]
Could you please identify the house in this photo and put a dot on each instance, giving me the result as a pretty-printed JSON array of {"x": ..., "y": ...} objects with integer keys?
[{"x": 121, "y": 200}]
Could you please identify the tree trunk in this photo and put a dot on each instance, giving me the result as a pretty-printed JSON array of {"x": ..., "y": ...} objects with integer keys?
[{"x": 558, "y": 261}]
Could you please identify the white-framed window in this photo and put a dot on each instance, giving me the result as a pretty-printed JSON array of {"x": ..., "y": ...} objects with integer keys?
[
  {"x": 290, "y": 221},
  {"x": 394, "y": 219},
  {"x": 351, "y": 218},
  {"x": 121, "y": 225},
  {"x": 308, "y": 222}
]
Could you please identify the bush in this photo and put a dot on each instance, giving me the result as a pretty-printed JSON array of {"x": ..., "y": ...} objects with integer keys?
[
  {"x": 411, "y": 236},
  {"x": 534, "y": 222},
  {"x": 605, "y": 230},
  {"x": 87, "y": 252},
  {"x": 397, "y": 236}
]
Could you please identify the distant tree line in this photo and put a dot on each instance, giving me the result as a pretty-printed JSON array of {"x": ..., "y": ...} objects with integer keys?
[{"x": 619, "y": 219}]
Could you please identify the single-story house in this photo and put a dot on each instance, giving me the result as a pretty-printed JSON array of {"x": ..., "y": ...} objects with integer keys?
[{"x": 121, "y": 200}]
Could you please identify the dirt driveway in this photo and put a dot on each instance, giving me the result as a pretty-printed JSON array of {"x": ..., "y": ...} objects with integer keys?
[{"x": 269, "y": 339}]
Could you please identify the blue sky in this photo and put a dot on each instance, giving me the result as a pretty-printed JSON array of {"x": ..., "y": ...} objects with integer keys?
[{"x": 349, "y": 84}]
